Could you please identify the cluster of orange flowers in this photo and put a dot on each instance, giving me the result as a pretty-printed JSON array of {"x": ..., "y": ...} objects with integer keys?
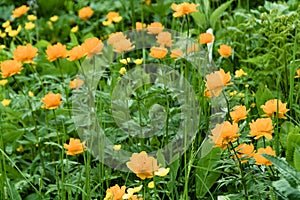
[
  {"x": 118, "y": 193},
  {"x": 120, "y": 42},
  {"x": 225, "y": 134}
]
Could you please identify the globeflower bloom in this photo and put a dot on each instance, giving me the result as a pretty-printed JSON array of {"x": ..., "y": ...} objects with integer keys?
[
  {"x": 244, "y": 152},
  {"x": 261, "y": 127},
  {"x": 51, "y": 101},
  {"x": 184, "y": 8},
  {"x": 164, "y": 39},
  {"x": 74, "y": 147},
  {"x": 112, "y": 17},
  {"x": 224, "y": 134},
  {"x": 298, "y": 73},
  {"x": 239, "y": 73},
  {"x": 130, "y": 193},
  {"x": 260, "y": 160},
  {"x": 140, "y": 26},
  {"x": 29, "y": 25},
  {"x": 216, "y": 81},
  {"x": 56, "y": 51},
  {"x": 239, "y": 113},
  {"x": 76, "y": 83},
  {"x": 206, "y": 38},
  {"x": 115, "y": 193},
  {"x": 18, "y": 12},
  {"x": 175, "y": 53},
  {"x": 6, "y": 102},
  {"x": 158, "y": 52},
  {"x": 155, "y": 28},
  {"x": 76, "y": 53},
  {"x": 92, "y": 46},
  {"x": 225, "y": 50},
  {"x": 14, "y": 33},
  {"x": 85, "y": 13},
  {"x": 142, "y": 165},
  {"x": 273, "y": 107},
  {"x": 25, "y": 53},
  {"x": 10, "y": 68}
]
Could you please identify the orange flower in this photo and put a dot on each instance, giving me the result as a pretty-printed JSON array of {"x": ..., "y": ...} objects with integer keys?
[
  {"x": 184, "y": 8},
  {"x": 140, "y": 26},
  {"x": 115, "y": 38},
  {"x": 85, "y": 13},
  {"x": 10, "y": 68},
  {"x": 164, "y": 39},
  {"x": 275, "y": 106},
  {"x": 92, "y": 46},
  {"x": 56, "y": 51},
  {"x": 261, "y": 127},
  {"x": 298, "y": 73},
  {"x": 224, "y": 134},
  {"x": 76, "y": 83},
  {"x": 123, "y": 45},
  {"x": 244, "y": 151},
  {"x": 205, "y": 38},
  {"x": 175, "y": 53},
  {"x": 155, "y": 28},
  {"x": 114, "y": 17},
  {"x": 74, "y": 147},
  {"x": 25, "y": 53},
  {"x": 216, "y": 80},
  {"x": 225, "y": 50},
  {"x": 207, "y": 93},
  {"x": 76, "y": 53},
  {"x": 239, "y": 113},
  {"x": 260, "y": 160},
  {"x": 115, "y": 192},
  {"x": 18, "y": 12},
  {"x": 142, "y": 165},
  {"x": 51, "y": 101},
  {"x": 158, "y": 52},
  {"x": 192, "y": 48}
]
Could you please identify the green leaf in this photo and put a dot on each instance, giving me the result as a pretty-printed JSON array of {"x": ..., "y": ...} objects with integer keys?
[
  {"x": 218, "y": 13},
  {"x": 161, "y": 158},
  {"x": 293, "y": 141},
  {"x": 12, "y": 191},
  {"x": 199, "y": 19},
  {"x": 261, "y": 96},
  {"x": 297, "y": 158}
]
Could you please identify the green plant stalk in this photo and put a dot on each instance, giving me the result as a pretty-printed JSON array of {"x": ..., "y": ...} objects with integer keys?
[
  {"x": 292, "y": 71},
  {"x": 241, "y": 172},
  {"x": 3, "y": 175}
]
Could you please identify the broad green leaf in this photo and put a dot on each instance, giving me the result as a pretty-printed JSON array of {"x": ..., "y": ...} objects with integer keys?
[
  {"x": 215, "y": 16},
  {"x": 199, "y": 19},
  {"x": 261, "y": 96},
  {"x": 297, "y": 158},
  {"x": 12, "y": 191}
]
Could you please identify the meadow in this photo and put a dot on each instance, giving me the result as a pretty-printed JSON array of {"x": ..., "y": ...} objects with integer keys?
[{"x": 145, "y": 99}]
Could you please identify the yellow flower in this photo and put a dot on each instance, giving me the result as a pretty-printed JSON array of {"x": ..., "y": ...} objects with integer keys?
[
  {"x": 224, "y": 134},
  {"x": 225, "y": 50},
  {"x": 51, "y": 101},
  {"x": 140, "y": 26},
  {"x": 30, "y": 94},
  {"x": 175, "y": 53},
  {"x": 151, "y": 184},
  {"x": 158, "y": 52},
  {"x": 74, "y": 147},
  {"x": 125, "y": 61},
  {"x": 20, "y": 149},
  {"x": 138, "y": 61},
  {"x": 76, "y": 83},
  {"x": 233, "y": 93},
  {"x": 2, "y": 35},
  {"x": 54, "y": 18},
  {"x": 184, "y": 8},
  {"x": 205, "y": 38},
  {"x": 298, "y": 73},
  {"x": 260, "y": 160},
  {"x": 115, "y": 192},
  {"x": 117, "y": 147},
  {"x": 2, "y": 46},
  {"x": 261, "y": 127},
  {"x": 106, "y": 23},
  {"x": 85, "y": 13},
  {"x": 241, "y": 95},
  {"x": 8, "y": 29},
  {"x": 18, "y": 12},
  {"x": 74, "y": 29},
  {"x": 162, "y": 172},
  {"x": 142, "y": 165},
  {"x": 14, "y": 33},
  {"x": 6, "y": 102},
  {"x": 131, "y": 191},
  {"x": 122, "y": 70},
  {"x": 239, "y": 73},
  {"x": 112, "y": 17},
  {"x": 31, "y": 17},
  {"x": 3, "y": 82},
  {"x": 6, "y": 24},
  {"x": 273, "y": 107},
  {"x": 252, "y": 105},
  {"x": 29, "y": 25},
  {"x": 49, "y": 23},
  {"x": 239, "y": 113},
  {"x": 10, "y": 68}
]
